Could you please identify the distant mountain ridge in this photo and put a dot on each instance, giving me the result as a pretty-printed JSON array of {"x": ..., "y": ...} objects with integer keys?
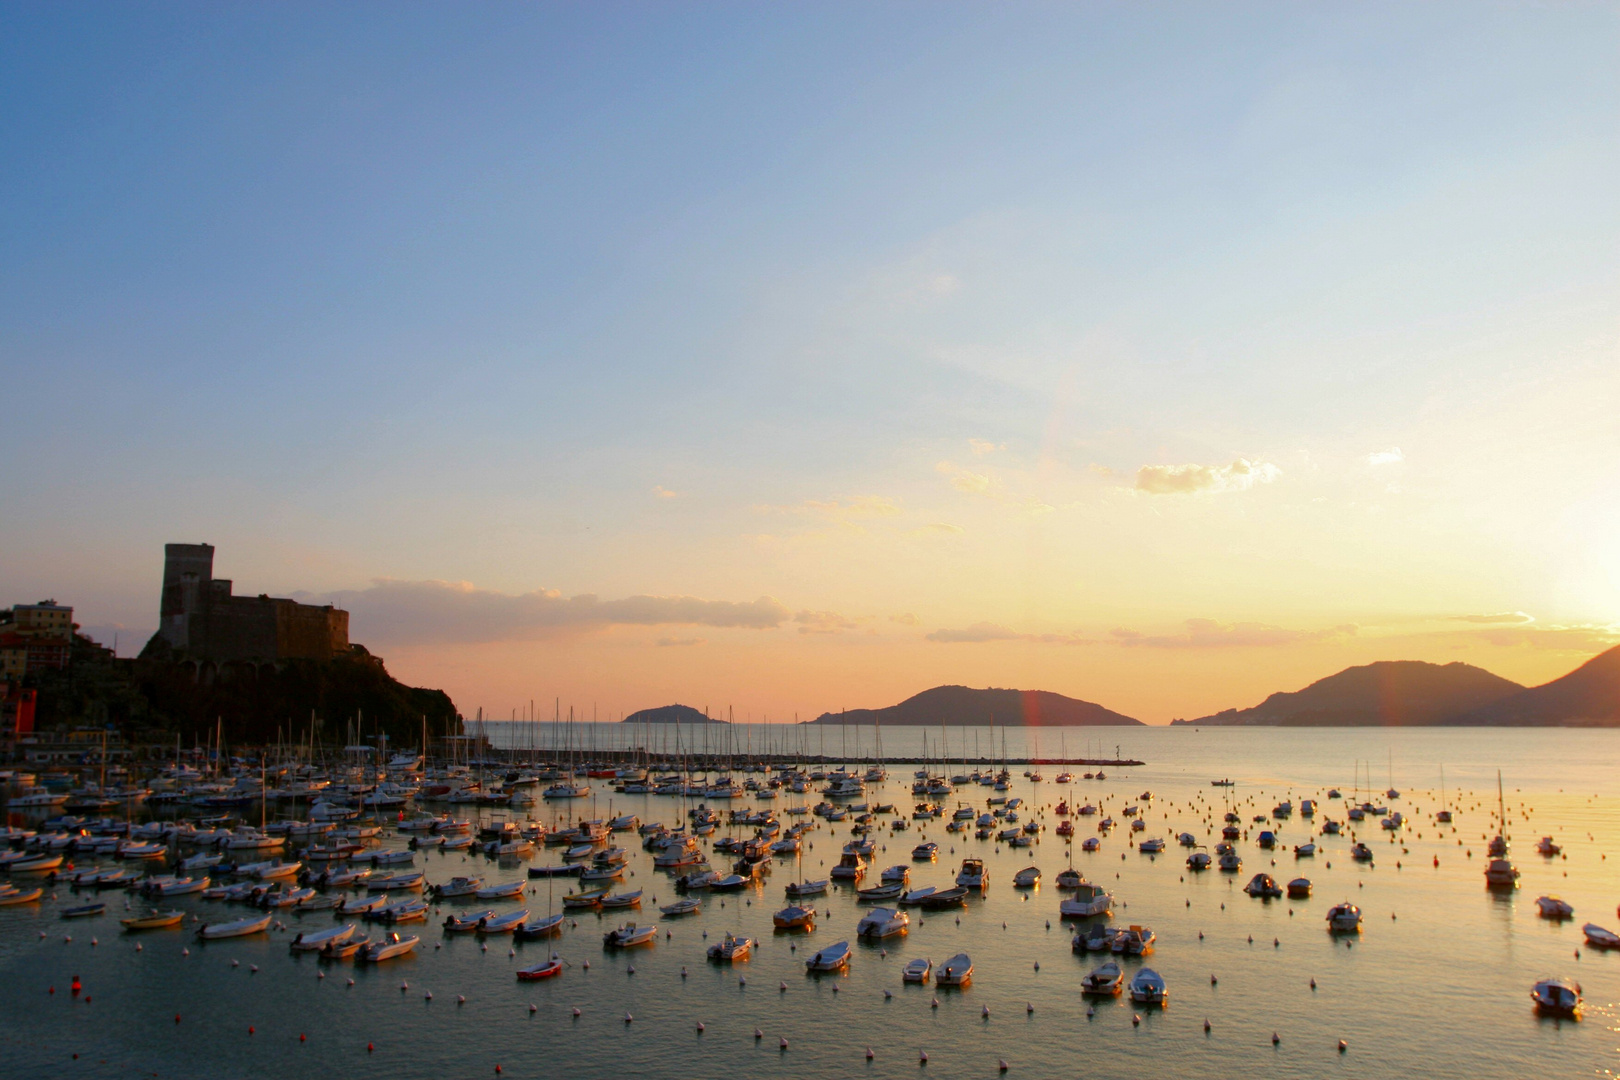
[
  {"x": 1389, "y": 693},
  {"x": 670, "y": 714},
  {"x": 963, "y": 705},
  {"x": 1587, "y": 696},
  {"x": 1394, "y": 693}
]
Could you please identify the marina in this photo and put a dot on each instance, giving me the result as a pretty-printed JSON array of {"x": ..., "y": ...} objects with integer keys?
[{"x": 838, "y": 972}]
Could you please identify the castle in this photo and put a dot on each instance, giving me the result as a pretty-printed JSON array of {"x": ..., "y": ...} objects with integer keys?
[{"x": 201, "y": 620}]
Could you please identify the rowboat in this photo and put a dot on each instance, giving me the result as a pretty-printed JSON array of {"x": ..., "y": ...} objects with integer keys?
[
  {"x": 285, "y": 898},
  {"x": 458, "y": 886},
  {"x": 623, "y": 900},
  {"x": 315, "y": 941},
  {"x": 396, "y": 882},
  {"x": 806, "y": 888},
  {"x": 21, "y": 896},
  {"x": 153, "y": 920},
  {"x": 918, "y": 970},
  {"x": 546, "y": 927},
  {"x": 36, "y": 864},
  {"x": 389, "y": 947},
  {"x": 498, "y": 891},
  {"x": 833, "y": 958},
  {"x": 732, "y": 947},
  {"x": 685, "y": 906},
  {"x": 363, "y": 907},
  {"x": 547, "y": 970},
  {"x": 342, "y": 950},
  {"x": 584, "y": 900},
  {"x": 795, "y": 917},
  {"x": 83, "y": 911},
  {"x": 236, "y": 928},
  {"x": 1105, "y": 981},
  {"x": 403, "y": 911}
]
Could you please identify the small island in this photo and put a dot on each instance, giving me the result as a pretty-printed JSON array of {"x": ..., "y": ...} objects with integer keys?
[{"x": 670, "y": 714}]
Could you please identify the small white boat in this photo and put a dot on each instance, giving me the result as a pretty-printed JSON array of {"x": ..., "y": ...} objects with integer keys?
[
  {"x": 1134, "y": 940},
  {"x": 805, "y": 888},
  {"x": 732, "y": 947},
  {"x": 389, "y": 947},
  {"x": 1091, "y": 843},
  {"x": 237, "y": 928},
  {"x": 182, "y": 886},
  {"x": 410, "y": 882},
  {"x": 1104, "y": 982},
  {"x": 918, "y": 970},
  {"x": 917, "y": 896},
  {"x": 1557, "y": 997},
  {"x": 957, "y": 971},
  {"x": 1088, "y": 900},
  {"x": 833, "y": 958},
  {"x": 686, "y": 906},
  {"x": 1263, "y": 886},
  {"x": 973, "y": 874},
  {"x": 1501, "y": 874},
  {"x": 368, "y": 906},
  {"x": 1070, "y": 879},
  {"x": 540, "y": 928},
  {"x": 503, "y": 924},
  {"x": 403, "y": 911},
  {"x": 1147, "y": 988},
  {"x": 315, "y": 940},
  {"x": 1304, "y": 851},
  {"x": 795, "y": 917},
  {"x": 153, "y": 920},
  {"x": 1551, "y": 907},
  {"x": 1344, "y": 918},
  {"x": 623, "y": 900},
  {"x": 883, "y": 922},
  {"x": 498, "y": 891},
  {"x": 468, "y": 923},
  {"x": 881, "y": 892},
  {"x": 629, "y": 935},
  {"x": 458, "y": 886},
  {"x": 1151, "y": 846},
  {"x": 1599, "y": 938},
  {"x": 1028, "y": 877},
  {"x": 36, "y": 864}
]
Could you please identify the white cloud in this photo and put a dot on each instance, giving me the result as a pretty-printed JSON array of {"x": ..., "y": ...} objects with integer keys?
[
  {"x": 937, "y": 528},
  {"x": 1392, "y": 456},
  {"x": 981, "y": 447},
  {"x": 1518, "y": 618},
  {"x": 822, "y": 622},
  {"x": 662, "y": 492},
  {"x": 1241, "y": 475}
]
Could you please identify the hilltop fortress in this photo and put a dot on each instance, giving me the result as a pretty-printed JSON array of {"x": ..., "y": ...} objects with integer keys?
[{"x": 200, "y": 619}]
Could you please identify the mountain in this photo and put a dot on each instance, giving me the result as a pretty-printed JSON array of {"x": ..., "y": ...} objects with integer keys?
[
  {"x": 1587, "y": 696},
  {"x": 670, "y": 714},
  {"x": 1390, "y": 693},
  {"x": 965, "y": 705}
]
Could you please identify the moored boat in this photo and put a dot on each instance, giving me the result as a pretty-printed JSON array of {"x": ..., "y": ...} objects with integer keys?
[
  {"x": 1148, "y": 988},
  {"x": 388, "y": 948},
  {"x": 834, "y": 957},
  {"x": 153, "y": 920},
  {"x": 235, "y": 928},
  {"x": 629, "y": 935},
  {"x": 882, "y": 923},
  {"x": 1105, "y": 981},
  {"x": 957, "y": 971}
]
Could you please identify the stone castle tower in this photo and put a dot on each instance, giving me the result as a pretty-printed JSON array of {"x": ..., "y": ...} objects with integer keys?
[{"x": 201, "y": 620}]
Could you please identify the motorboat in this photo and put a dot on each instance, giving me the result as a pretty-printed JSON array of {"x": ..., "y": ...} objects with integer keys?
[
  {"x": 11, "y": 896},
  {"x": 880, "y": 892},
  {"x": 153, "y": 920},
  {"x": 1557, "y": 997},
  {"x": 316, "y": 940},
  {"x": 1028, "y": 877},
  {"x": 927, "y": 851},
  {"x": 834, "y": 957},
  {"x": 1134, "y": 940},
  {"x": 851, "y": 866},
  {"x": 83, "y": 911},
  {"x": 917, "y": 971},
  {"x": 1147, "y": 988},
  {"x": 387, "y": 948},
  {"x": 36, "y": 864},
  {"x": 1198, "y": 860},
  {"x": 1263, "y": 886},
  {"x": 973, "y": 874},
  {"x": 235, "y": 928},
  {"x": 1098, "y": 937},
  {"x": 468, "y": 923},
  {"x": 622, "y": 900},
  {"x": 800, "y": 889},
  {"x": 402, "y": 911},
  {"x": 1600, "y": 938},
  {"x": 458, "y": 886},
  {"x": 629, "y": 935},
  {"x": 540, "y": 928},
  {"x": 726, "y": 883},
  {"x": 732, "y": 947},
  {"x": 915, "y": 897},
  {"x": 1091, "y": 843},
  {"x": 546, "y": 970},
  {"x": 1548, "y": 847},
  {"x": 1088, "y": 900},
  {"x": 410, "y": 882},
  {"x": 1304, "y": 851},
  {"x": 1299, "y": 888},
  {"x": 1551, "y": 907},
  {"x": 1267, "y": 838},
  {"x": 184, "y": 886},
  {"x": 1361, "y": 852},
  {"x": 1344, "y": 918},
  {"x": 944, "y": 898},
  {"x": 685, "y": 906},
  {"x": 286, "y": 897},
  {"x": 795, "y": 917},
  {"x": 368, "y": 906},
  {"x": 1501, "y": 874},
  {"x": 957, "y": 971},
  {"x": 1151, "y": 846},
  {"x": 883, "y": 922},
  {"x": 1231, "y": 862},
  {"x": 1106, "y": 981},
  {"x": 499, "y": 891},
  {"x": 1331, "y": 827},
  {"x": 584, "y": 901}
]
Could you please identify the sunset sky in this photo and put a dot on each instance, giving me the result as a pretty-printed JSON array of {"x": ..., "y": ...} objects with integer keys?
[{"x": 794, "y": 357}]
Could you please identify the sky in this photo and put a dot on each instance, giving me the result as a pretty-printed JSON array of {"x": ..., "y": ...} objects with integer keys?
[{"x": 785, "y": 358}]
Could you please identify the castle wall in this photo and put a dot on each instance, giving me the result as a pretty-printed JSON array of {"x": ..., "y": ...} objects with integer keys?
[{"x": 202, "y": 620}]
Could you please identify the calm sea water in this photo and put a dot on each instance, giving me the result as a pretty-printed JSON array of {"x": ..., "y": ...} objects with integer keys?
[{"x": 1436, "y": 985}]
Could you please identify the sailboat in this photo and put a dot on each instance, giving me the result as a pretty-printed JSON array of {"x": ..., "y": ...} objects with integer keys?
[{"x": 1499, "y": 872}]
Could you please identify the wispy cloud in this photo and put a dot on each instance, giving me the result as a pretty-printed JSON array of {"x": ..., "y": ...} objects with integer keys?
[
  {"x": 662, "y": 492},
  {"x": 1241, "y": 475},
  {"x": 1209, "y": 634},
  {"x": 981, "y": 632},
  {"x": 1581, "y": 639},
  {"x": 1392, "y": 456},
  {"x": 667, "y": 642},
  {"x": 965, "y": 480},
  {"x": 937, "y": 528},
  {"x": 904, "y": 619},
  {"x": 1511, "y": 617},
  {"x": 444, "y": 611},
  {"x": 981, "y": 447},
  {"x": 823, "y": 622}
]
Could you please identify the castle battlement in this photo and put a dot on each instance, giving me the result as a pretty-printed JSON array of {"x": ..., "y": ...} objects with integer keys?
[{"x": 202, "y": 619}]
